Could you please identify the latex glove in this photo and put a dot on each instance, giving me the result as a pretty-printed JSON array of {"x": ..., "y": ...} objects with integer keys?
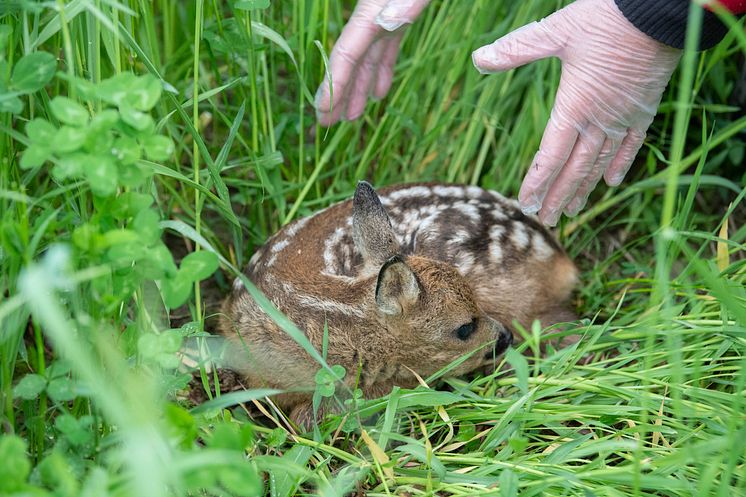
[
  {"x": 613, "y": 76},
  {"x": 362, "y": 60}
]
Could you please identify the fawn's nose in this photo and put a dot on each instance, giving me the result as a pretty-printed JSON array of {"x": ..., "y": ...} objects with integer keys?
[{"x": 504, "y": 339}]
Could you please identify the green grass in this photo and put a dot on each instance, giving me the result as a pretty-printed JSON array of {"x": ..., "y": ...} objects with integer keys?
[{"x": 650, "y": 402}]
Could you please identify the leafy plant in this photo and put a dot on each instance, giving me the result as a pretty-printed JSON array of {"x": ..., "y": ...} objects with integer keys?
[
  {"x": 55, "y": 381},
  {"x": 104, "y": 149},
  {"x": 30, "y": 74}
]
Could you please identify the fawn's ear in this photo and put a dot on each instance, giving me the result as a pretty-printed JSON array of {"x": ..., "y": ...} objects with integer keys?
[
  {"x": 371, "y": 227},
  {"x": 397, "y": 287}
]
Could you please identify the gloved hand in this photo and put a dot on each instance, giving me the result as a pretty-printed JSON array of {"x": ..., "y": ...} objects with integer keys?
[
  {"x": 613, "y": 76},
  {"x": 362, "y": 60}
]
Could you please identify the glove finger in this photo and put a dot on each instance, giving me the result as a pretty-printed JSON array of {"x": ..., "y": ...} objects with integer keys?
[
  {"x": 386, "y": 67},
  {"x": 623, "y": 160},
  {"x": 579, "y": 166},
  {"x": 362, "y": 80},
  {"x": 323, "y": 104},
  {"x": 396, "y": 13},
  {"x": 531, "y": 42},
  {"x": 608, "y": 151},
  {"x": 352, "y": 45},
  {"x": 556, "y": 146},
  {"x": 329, "y": 112}
]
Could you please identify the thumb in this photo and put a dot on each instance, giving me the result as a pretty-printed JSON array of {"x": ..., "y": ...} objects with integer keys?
[
  {"x": 534, "y": 41},
  {"x": 396, "y": 13}
]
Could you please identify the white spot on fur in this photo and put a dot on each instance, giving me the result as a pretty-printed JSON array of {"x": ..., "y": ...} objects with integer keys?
[
  {"x": 474, "y": 191},
  {"x": 498, "y": 214},
  {"x": 429, "y": 229},
  {"x": 459, "y": 237},
  {"x": 496, "y": 250},
  {"x": 347, "y": 258},
  {"x": 412, "y": 191},
  {"x": 237, "y": 284},
  {"x": 500, "y": 197},
  {"x": 275, "y": 249},
  {"x": 541, "y": 249},
  {"x": 295, "y": 227},
  {"x": 255, "y": 257},
  {"x": 330, "y": 246},
  {"x": 512, "y": 203},
  {"x": 468, "y": 210},
  {"x": 464, "y": 262},
  {"x": 409, "y": 221},
  {"x": 429, "y": 210},
  {"x": 519, "y": 236},
  {"x": 449, "y": 191},
  {"x": 329, "y": 306},
  {"x": 279, "y": 246}
]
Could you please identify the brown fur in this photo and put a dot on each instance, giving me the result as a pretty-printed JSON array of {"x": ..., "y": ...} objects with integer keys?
[{"x": 394, "y": 289}]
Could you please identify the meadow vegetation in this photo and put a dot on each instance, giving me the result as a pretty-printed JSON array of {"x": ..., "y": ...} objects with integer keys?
[{"x": 148, "y": 147}]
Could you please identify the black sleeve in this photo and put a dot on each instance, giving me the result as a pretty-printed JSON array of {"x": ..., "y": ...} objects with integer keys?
[{"x": 665, "y": 21}]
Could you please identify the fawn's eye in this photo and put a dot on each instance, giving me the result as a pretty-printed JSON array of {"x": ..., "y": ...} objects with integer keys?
[{"x": 464, "y": 331}]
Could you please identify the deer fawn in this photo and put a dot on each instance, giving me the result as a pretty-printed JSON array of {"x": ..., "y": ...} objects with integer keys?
[{"x": 408, "y": 282}]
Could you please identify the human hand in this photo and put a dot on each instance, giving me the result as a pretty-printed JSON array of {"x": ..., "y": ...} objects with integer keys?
[
  {"x": 613, "y": 76},
  {"x": 362, "y": 60}
]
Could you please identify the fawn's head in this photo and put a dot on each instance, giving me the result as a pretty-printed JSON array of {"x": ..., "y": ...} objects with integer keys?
[{"x": 426, "y": 303}]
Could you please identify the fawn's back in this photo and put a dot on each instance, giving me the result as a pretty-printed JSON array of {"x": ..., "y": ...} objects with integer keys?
[{"x": 515, "y": 266}]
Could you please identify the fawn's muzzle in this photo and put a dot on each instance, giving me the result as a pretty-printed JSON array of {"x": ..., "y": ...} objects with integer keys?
[{"x": 503, "y": 341}]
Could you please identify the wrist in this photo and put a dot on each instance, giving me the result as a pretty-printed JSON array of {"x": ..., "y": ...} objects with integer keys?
[{"x": 666, "y": 21}]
